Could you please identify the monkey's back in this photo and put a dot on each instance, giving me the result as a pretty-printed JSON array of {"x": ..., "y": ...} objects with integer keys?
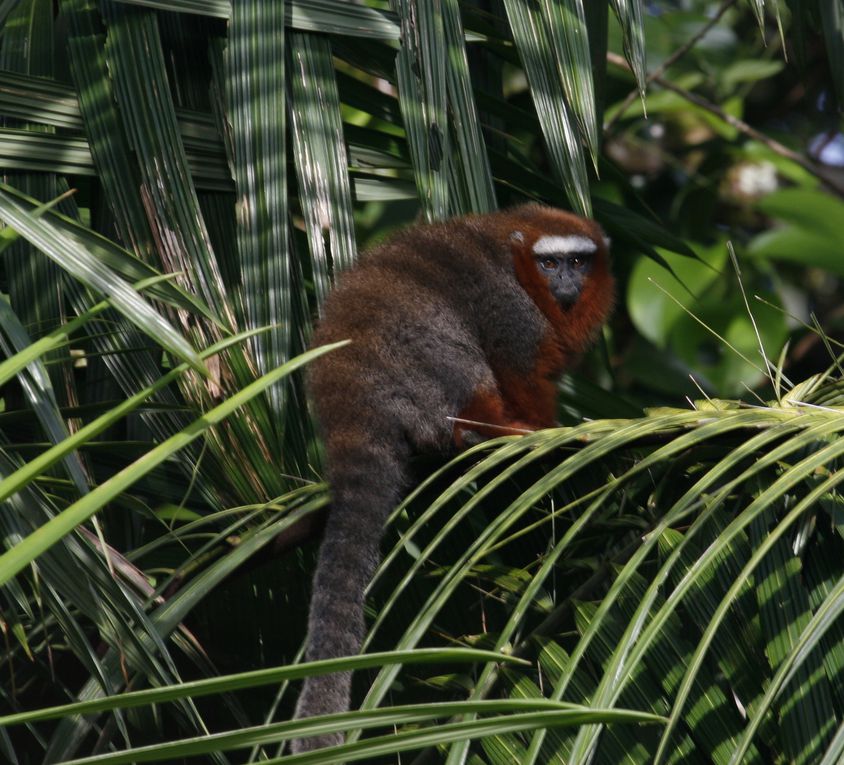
[
  {"x": 449, "y": 320},
  {"x": 428, "y": 313}
]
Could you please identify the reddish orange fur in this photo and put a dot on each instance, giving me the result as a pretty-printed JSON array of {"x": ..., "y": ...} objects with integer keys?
[
  {"x": 531, "y": 400},
  {"x": 489, "y": 411},
  {"x": 413, "y": 310}
]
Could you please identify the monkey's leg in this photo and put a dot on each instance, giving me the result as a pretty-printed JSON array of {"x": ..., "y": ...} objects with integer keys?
[{"x": 486, "y": 415}]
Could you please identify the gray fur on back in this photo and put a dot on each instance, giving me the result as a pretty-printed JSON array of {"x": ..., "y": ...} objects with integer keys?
[{"x": 430, "y": 313}]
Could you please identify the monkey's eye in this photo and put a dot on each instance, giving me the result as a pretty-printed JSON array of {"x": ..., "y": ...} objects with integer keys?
[
  {"x": 578, "y": 261},
  {"x": 548, "y": 263}
]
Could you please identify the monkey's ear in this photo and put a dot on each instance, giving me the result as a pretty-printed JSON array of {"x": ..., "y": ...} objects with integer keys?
[{"x": 517, "y": 236}]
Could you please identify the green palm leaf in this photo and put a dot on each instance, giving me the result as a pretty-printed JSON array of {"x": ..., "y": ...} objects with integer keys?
[{"x": 662, "y": 585}]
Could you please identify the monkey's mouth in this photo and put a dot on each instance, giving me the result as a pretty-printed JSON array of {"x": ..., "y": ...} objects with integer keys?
[{"x": 567, "y": 299}]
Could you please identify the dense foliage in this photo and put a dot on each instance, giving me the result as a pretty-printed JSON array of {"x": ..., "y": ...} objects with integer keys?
[{"x": 659, "y": 581}]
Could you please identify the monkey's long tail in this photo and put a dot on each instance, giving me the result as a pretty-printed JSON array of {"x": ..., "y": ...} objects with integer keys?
[{"x": 366, "y": 482}]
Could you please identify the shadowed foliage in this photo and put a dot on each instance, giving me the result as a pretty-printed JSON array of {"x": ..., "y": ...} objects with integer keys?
[{"x": 657, "y": 580}]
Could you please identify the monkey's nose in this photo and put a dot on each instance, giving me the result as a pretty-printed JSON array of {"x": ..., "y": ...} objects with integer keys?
[{"x": 567, "y": 293}]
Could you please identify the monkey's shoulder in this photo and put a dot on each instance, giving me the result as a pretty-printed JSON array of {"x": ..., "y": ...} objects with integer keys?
[
  {"x": 426, "y": 270},
  {"x": 451, "y": 255}
]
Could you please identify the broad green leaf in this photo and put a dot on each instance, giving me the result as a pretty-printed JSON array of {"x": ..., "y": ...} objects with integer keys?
[
  {"x": 422, "y": 86},
  {"x": 750, "y": 71},
  {"x": 255, "y": 90},
  {"x": 806, "y": 726},
  {"x": 134, "y": 56},
  {"x": 80, "y": 264},
  {"x": 395, "y": 742},
  {"x": 559, "y": 130},
  {"x": 804, "y": 246},
  {"x": 755, "y": 509},
  {"x": 630, "y": 17},
  {"x": 319, "y": 152},
  {"x": 307, "y": 15},
  {"x": 37, "y": 466},
  {"x": 111, "y": 255},
  {"x": 655, "y": 313},
  {"x": 566, "y": 20},
  {"x": 38, "y": 99},
  {"x": 40, "y": 540},
  {"x": 52, "y": 340},
  {"x": 472, "y": 183},
  {"x": 815, "y": 211},
  {"x": 270, "y": 676}
]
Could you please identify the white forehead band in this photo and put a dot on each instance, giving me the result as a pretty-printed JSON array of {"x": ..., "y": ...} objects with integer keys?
[{"x": 563, "y": 245}]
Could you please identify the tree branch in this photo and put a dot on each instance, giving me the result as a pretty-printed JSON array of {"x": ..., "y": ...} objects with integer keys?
[
  {"x": 775, "y": 146},
  {"x": 670, "y": 61}
]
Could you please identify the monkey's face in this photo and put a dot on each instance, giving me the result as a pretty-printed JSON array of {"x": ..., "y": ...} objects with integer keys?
[
  {"x": 565, "y": 262},
  {"x": 562, "y": 262}
]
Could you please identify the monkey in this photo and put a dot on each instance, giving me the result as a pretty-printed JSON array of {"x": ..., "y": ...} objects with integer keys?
[{"x": 458, "y": 328}]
